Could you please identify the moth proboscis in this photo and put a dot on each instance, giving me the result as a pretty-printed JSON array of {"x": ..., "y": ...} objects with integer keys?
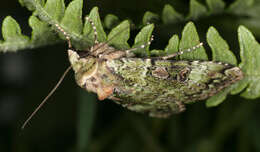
[{"x": 156, "y": 85}]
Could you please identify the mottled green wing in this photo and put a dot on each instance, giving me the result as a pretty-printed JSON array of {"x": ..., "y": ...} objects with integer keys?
[{"x": 160, "y": 87}]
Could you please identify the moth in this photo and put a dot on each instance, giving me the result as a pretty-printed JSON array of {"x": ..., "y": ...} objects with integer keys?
[{"x": 158, "y": 86}]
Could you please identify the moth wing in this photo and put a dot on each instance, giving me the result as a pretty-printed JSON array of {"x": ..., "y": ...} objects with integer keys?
[
  {"x": 139, "y": 82},
  {"x": 160, "y": 87}
]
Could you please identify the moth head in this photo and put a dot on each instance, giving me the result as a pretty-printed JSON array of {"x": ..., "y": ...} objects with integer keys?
[{"x": 80, "y": 63}]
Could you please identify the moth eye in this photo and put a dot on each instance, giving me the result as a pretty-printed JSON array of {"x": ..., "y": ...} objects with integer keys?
[
  {"x": 104, "y": 76},
  {"x": 92, "y": 79}
]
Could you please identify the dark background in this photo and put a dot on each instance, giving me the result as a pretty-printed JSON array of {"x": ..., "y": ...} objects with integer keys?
[{"x": 27, "y": 76}]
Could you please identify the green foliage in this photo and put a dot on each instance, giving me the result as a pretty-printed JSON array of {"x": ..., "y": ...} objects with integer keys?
[
  {"x": 150, "y": 17},
  {"x": 46, "y": 15},
  {"x": 119, "y": 40},
  {"x": 189, "y": 39},
  {"x": 220, "y": 52},
  {"x": 86, "y": 115},
  {"x": 111, "y": 21},
  {"x": 239, "y": 6},
  {"x": 215, "y": 6},
  {"x": 14, "y": 40},
  {"x": 142, "y": 38},
  {"x": 218, "y": 45},
  {"x": 196, "y": 10},
  {"x": 12, "y": 33},
  {"x": 173, "y": 45},
  {"x": 169, "y": 15},
  {"x": 250, "y": 54}
]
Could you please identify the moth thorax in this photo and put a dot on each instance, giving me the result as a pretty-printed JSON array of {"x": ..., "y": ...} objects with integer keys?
[
  {"x": 101, "y": 48},
  {"x": 80, "y": 64}
]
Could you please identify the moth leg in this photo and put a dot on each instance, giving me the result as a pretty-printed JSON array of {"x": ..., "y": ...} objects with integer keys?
[
  {"x": 129, "y": 51},
  {"x": 114, "y": 55},
  {"x": 126, "y": 53},
  {"x": 181, "y": 52}
]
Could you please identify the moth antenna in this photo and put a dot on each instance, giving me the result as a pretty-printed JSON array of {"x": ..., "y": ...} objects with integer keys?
[
  {"x": 182, "y": 52},
  {"x": 65, "y": 34},
  {"x": 93, "y": 27},
  {"x": 141, "y": 46},
  {"x": 46, "y": 98},
  {"x": 110, "y": 39}
]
